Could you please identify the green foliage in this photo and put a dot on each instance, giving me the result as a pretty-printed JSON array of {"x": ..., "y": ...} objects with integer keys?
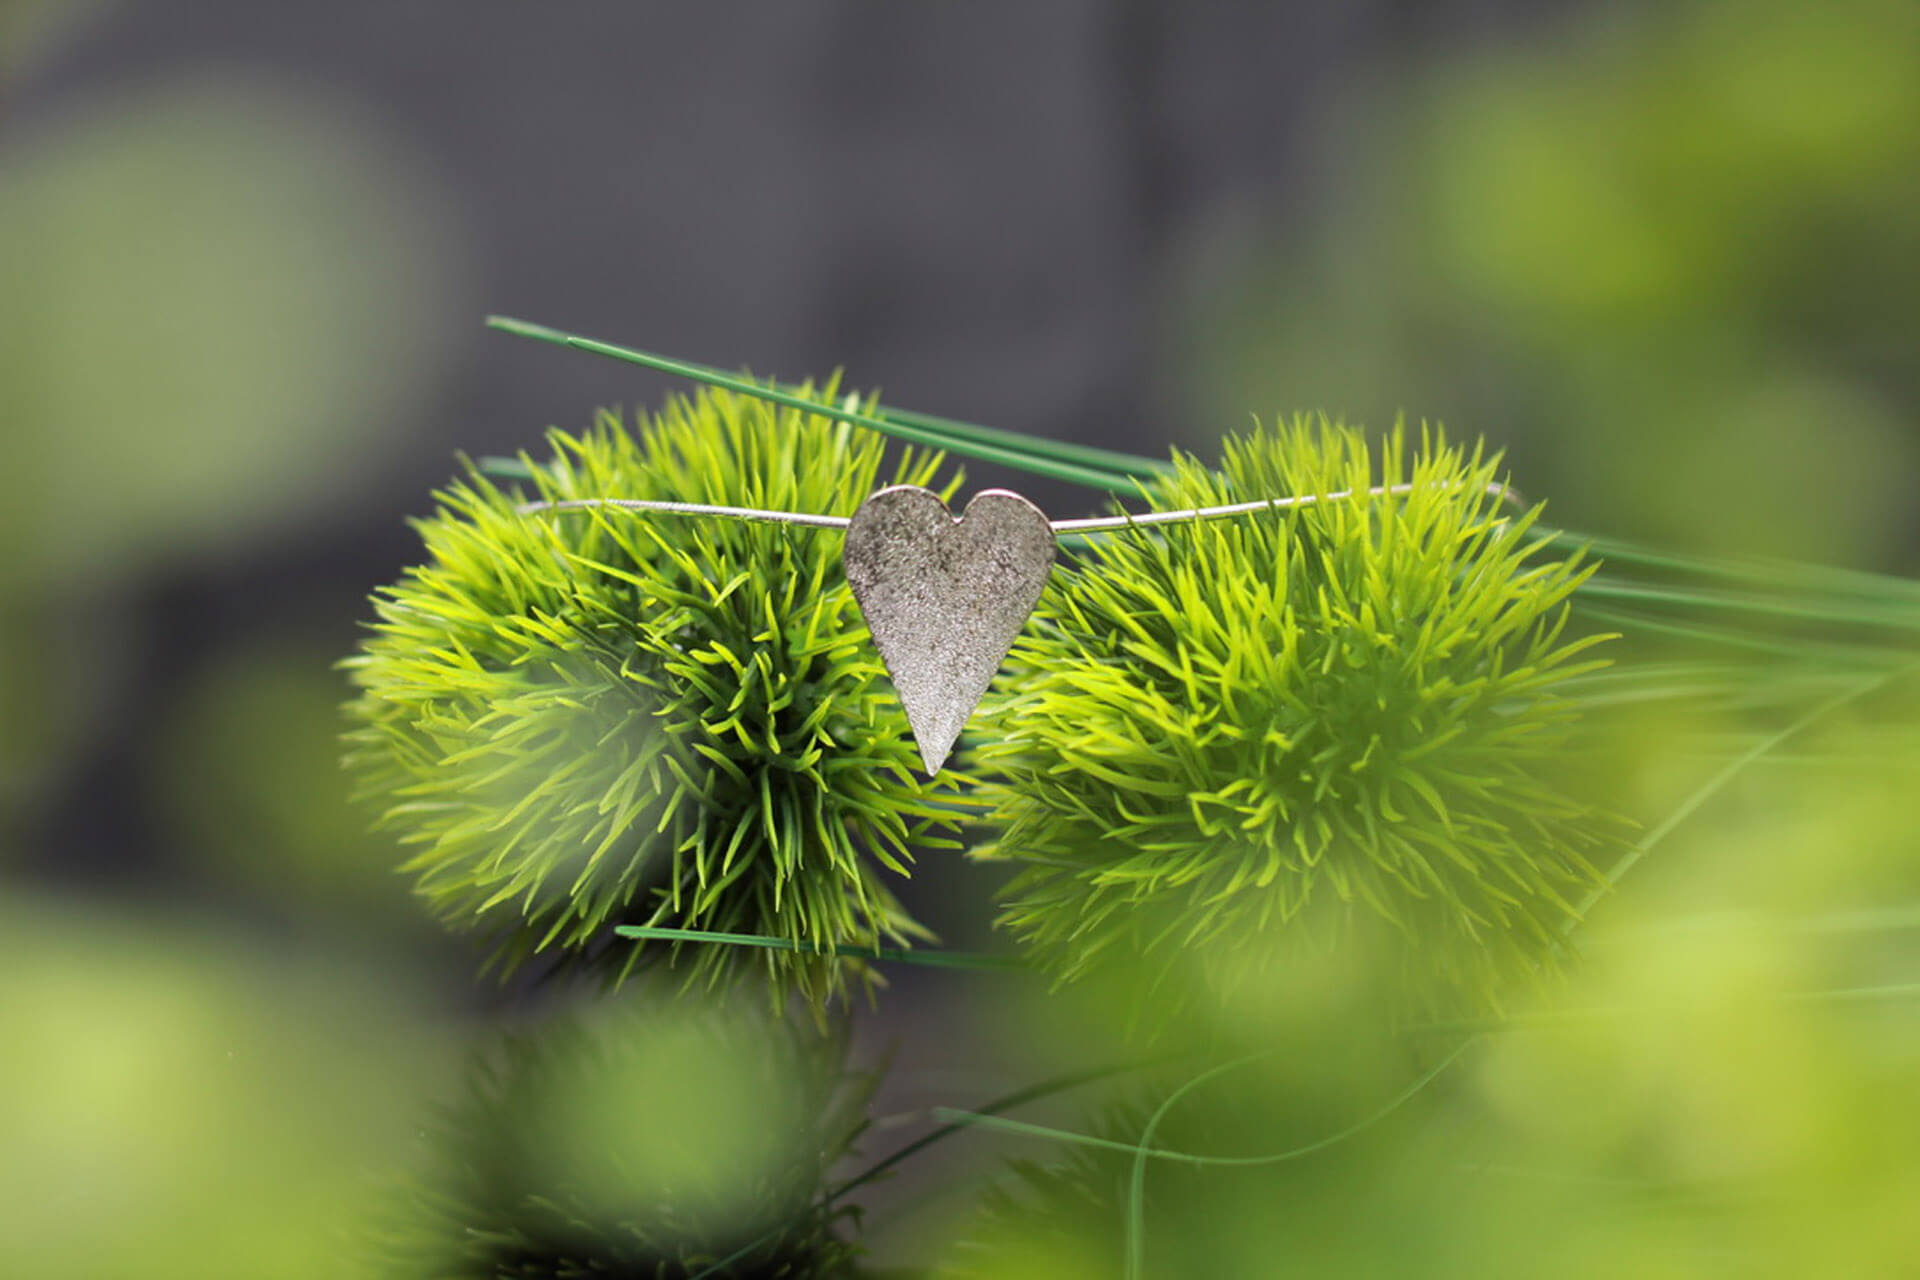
[
  {"x": 560, "y": 1159},
  {"x": 601, "y": 717},
  {"x": 1334, "y": 721}
]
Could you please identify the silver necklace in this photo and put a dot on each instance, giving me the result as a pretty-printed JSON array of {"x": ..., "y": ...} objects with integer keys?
[{"x": 945, "y": 596}]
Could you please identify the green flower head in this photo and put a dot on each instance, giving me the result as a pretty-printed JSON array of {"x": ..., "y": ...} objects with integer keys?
[
  {"x": 1326, "y": 723},
  {"x": 589, "y": 718}
]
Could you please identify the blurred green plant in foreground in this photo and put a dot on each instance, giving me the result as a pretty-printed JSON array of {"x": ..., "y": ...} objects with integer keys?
[
  {"x": 1726, "y": 1086},
  {"x": 658, "y": 1139},
  {"x": 173, "y": 1105}
]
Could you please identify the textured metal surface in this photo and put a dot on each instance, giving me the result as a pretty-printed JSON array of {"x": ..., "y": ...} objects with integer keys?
[{"x": 945, "y": 598}]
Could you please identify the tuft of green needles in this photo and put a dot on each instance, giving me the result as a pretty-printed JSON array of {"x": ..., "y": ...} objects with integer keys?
[{"x": 580, "y": 720}]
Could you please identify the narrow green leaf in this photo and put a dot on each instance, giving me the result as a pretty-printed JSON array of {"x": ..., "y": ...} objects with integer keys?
[
  {"x": 1905, "y": 616},
  {"x": 949, "y": 1115},
  {"x": 892, "y": 955},
  {"x": 1023, "y": 458},
  {"x": 1759, "y": 572}
]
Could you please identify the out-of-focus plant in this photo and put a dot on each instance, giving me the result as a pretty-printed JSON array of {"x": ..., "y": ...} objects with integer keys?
[
  {"x": 1727, "y": 1091},
  {"x": 179, "y": 1105},
  {"x": 161, "y": 379},
  {"x": 664, "y": 1139}
]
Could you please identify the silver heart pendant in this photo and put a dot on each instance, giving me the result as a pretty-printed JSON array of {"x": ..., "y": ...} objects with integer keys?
[{"x": 945, "y": 597}]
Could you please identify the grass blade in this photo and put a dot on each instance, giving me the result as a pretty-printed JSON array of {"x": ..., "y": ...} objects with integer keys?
[
  {"x": 891, "y": 955},
  {"x": 972, "y": 442}
]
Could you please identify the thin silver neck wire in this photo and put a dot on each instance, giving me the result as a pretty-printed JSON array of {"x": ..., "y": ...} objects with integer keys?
[
  {"x": 1093, "y": 524},
  {"x": 689, "y": 509},
  {"x": 1190, "y": 515}
]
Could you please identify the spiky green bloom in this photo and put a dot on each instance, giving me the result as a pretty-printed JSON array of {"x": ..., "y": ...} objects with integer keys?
[
  {"x": 658, "y": 1143},
  {"x": 600, "y": 717},
  {"x": 1330, "y": 723}
]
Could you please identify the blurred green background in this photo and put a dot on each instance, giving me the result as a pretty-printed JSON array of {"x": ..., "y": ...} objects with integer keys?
[{"x": 1666, "y": 255}]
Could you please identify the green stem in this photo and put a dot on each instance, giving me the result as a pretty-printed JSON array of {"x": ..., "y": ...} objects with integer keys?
[
  {"x": 1137, "y": 1180},
  {"x": 1007, "y": 1102},
  {"x": 891, "y": 955},
  {"x": 1004, "y": 1125},
  {"x": 1018, "y": 1098}
]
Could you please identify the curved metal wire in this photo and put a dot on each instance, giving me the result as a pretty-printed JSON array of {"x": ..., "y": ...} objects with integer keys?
[{"x": 1090, "y": 524}]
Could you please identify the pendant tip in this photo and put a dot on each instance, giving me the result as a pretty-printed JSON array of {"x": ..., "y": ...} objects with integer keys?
[{"x": 934, "y": 759}]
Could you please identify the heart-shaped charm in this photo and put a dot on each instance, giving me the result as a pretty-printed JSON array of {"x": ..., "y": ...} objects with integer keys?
[{"x": 945, "y": 597}]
